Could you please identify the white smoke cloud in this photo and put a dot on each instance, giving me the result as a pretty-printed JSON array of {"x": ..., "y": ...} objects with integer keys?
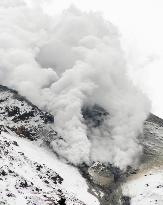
[
  {"x": 65, "y": 63},
  {"x": 11, "y": 3}
]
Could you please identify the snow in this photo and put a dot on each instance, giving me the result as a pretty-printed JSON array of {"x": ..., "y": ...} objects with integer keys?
[
  {"x": 73, "y": 182},
  {"x": 146, "y": 189},
  {"x": 9, "y": 101}
]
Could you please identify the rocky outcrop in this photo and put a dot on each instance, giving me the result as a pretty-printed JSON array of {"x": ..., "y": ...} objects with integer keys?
[
  {"x": 21, "y": 116},
  {"x": 101, "y": 175}
]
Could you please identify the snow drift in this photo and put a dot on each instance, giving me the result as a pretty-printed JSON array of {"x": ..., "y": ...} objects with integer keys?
[{"x": 64, "y": 63}]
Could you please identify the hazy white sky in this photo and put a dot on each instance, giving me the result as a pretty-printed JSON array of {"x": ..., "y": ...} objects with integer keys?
[{"x": 141, "y": 25}]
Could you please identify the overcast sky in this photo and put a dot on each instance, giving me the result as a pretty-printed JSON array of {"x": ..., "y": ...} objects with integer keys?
[{"x": 141, "y": 24}]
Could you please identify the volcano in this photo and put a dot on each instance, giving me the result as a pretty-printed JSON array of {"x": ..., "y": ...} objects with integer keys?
[{"x": 32, "y": 173}]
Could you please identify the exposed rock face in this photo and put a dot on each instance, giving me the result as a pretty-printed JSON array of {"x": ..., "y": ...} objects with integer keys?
[
  {"x": 152, "y": 141},
  {"x": 105, "y": 182},
  {"x": 101, "y": 175}
]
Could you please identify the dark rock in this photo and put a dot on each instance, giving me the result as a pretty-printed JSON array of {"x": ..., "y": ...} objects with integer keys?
[
  {"x": 39, "y": 167},
  {"x": 126, "y": 200},
  {"x": 46, "y": 181},
  {"x": 3, "y": 173},
  {"x": 15, "y": 143},
  {"x": 62, "y": 201},
  {"x": 10, "y": 195},
  {"x": 23, "y": 184}
]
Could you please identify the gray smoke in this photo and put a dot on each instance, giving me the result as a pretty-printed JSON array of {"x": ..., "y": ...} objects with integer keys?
[{"x": 64, "y": 63}]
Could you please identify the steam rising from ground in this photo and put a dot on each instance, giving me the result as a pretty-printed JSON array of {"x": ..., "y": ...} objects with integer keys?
[{"x": 68, "y": 62}]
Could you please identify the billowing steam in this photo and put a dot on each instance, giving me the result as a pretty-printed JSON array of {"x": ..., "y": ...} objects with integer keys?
[{"x": 64, "y": 63}]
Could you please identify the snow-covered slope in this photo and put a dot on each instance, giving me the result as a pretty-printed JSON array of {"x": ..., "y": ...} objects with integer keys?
[
  {"x": 146, "y": 188},
  {"x": 21, "y": 116},
  {"x": 29, "y": 175}
]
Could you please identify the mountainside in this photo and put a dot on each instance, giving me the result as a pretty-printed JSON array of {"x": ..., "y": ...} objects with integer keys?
[
  {"x": 20, "y": 115},
  {"x": 30, "y": 173},
  {"x": 145, "y": 187},
  {"x": 23, "y": 180}
]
